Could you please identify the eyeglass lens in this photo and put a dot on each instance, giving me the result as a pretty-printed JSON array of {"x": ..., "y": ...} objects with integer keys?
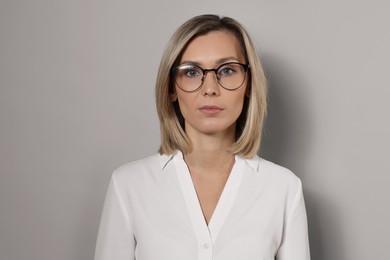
[{"x": 190, "y": 77}]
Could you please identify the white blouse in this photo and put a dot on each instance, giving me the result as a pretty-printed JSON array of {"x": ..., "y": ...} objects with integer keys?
[{"x": 152, "y": 212}]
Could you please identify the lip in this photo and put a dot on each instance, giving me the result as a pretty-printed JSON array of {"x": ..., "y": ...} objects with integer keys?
[{"x": 210, "y": 109}]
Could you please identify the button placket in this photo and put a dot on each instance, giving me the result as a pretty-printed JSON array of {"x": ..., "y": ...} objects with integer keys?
[
  {"x": 201, "y": 230},
  {"x": 205, "y": 250}
]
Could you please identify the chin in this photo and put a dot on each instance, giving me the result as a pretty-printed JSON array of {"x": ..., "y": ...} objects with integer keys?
[{"x": 216, "y": 129}]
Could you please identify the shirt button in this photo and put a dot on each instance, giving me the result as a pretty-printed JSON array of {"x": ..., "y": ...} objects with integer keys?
[{"x": 205, "y": 246}]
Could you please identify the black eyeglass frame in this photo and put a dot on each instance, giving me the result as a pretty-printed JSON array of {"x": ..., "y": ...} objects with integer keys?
[{"x": 246, "y": 68}]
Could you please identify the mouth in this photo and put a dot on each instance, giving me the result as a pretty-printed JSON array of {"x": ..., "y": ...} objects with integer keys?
[{"x": 210, "y": 109}]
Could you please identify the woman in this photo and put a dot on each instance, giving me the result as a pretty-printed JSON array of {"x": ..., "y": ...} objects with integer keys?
[{"x": 206, "y": 195}]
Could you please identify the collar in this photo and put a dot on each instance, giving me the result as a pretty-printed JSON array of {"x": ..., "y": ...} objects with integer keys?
[
  {"x": 165, "y": 159},
  {"x": 253, "y": 162}
]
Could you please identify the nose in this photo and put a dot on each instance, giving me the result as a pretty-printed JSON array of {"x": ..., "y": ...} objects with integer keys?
[{"x": 210, "y": 85}]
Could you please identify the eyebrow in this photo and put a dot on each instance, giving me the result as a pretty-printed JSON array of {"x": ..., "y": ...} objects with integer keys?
[
  {"x": 218, "y": 62},
  {"x": 222, "y": 60}
]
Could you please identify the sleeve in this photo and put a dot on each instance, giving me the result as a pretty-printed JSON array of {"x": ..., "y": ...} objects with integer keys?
[
  {"x": 295, "y": 241},
  {"x": 115, "y": 238}
]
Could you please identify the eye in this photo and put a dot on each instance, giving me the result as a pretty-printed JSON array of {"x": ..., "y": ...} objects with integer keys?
[
  {"x": 226, "y": 70},
  {"x": 191, "y": 72}
]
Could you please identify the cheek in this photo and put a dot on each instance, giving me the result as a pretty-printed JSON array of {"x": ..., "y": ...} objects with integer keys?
[
  {"x": 184, "y": 105},
  {"x": 238, "y": 109},
  {"x": 239, "y": 100}
]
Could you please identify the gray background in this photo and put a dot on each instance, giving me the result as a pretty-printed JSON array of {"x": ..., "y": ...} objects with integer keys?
[{"x": 77, "y": 100}]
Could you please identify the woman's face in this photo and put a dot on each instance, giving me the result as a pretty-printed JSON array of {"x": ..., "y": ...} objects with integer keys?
[{"x": 212, "y": 110}]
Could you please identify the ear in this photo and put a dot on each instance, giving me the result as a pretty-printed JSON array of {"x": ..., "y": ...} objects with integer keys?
[
  {"x": 248, "y": 91},
  {"x": 173, "y": 96}
]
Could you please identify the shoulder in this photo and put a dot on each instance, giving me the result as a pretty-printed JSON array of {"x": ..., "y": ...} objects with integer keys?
[
  {"x": 138, "y": 164},
  {"x": 148, "y": 166},
  {"x": 275, "y": 175},
  {"x": 269, "y": 168},
  {"x": 276, "y": 184}
]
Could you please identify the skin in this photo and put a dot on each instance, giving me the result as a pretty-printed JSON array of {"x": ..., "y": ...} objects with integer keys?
[{"x": 211, "y": 131}]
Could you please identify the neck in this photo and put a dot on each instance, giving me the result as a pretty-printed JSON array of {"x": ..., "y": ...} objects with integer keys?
[
  {"x": 210, "y": 153},
  {"x": 209, "y": 162}
]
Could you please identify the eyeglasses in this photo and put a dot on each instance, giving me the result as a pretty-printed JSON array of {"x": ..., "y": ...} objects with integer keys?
[{"x": 189, "y": 77}]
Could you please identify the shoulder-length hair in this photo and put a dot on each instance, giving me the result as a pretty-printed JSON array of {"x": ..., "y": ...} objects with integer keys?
[{"x": 249, "y": 124}]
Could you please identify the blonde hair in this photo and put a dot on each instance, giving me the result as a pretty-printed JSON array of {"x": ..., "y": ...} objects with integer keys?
[{"x": 249, "y": 124}]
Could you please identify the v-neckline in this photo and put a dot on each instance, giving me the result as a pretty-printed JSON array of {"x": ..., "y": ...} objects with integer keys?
[{"x": 208, "y": 233}]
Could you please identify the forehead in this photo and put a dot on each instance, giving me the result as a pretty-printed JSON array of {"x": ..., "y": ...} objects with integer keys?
[{"x": 213, "y": 46}]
